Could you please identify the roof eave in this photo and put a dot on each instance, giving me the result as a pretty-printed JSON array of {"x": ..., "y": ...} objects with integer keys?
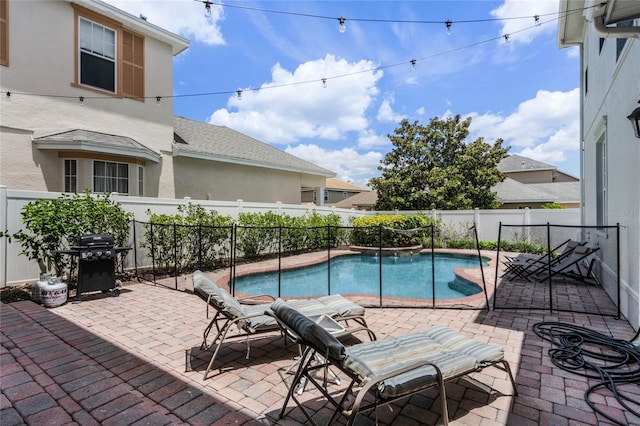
[
  {"x": 571, "y": 23},
  {"x": 97, "y": 148},
  {"x": 178, "y": 43}
]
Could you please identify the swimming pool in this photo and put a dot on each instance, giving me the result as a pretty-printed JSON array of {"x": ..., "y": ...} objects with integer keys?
[{"x": 404, "y": 277}]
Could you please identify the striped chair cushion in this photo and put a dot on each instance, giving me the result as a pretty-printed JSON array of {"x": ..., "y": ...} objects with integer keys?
[
  {"x": 344, "y": 307},
  {"x": 482, "y": 352},
  {"x": 373, "y": 359}
]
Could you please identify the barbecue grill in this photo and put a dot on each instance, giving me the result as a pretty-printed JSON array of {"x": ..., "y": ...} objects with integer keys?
[{"x": 96, "y": 264}]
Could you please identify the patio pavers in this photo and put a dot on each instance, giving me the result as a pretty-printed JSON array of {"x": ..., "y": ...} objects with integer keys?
[{"x": 135, "y": 359}]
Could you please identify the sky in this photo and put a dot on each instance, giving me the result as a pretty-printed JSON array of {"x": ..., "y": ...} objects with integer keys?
[{"x": 332, "y": 97}]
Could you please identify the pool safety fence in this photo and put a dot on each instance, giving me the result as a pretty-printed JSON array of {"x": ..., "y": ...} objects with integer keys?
[
  {"x": 567, "y": 269},
  {"x": 167, "y": 255}
]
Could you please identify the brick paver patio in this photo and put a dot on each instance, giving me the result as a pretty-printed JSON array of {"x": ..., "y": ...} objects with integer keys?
[{"x": 135, "y": 359}]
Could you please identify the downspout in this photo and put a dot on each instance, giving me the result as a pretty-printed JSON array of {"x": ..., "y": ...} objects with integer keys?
[{"x": 596, "y": 15}]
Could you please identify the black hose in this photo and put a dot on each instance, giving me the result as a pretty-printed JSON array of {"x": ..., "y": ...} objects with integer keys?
[{"x": 594, "y": 355}]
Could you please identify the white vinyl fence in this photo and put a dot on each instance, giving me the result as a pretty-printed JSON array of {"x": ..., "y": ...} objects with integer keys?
[{"x": 16, "y": 269}]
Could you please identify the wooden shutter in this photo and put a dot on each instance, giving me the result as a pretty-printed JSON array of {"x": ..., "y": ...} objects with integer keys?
[
  {"x": 4, "y": 32},
  {"x": 132, "y": 65}
]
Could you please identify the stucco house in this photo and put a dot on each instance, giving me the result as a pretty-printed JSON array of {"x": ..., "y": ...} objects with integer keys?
[
  {"x": 335, "y": 191},
  {"x": 82, "y": 107},
  {"x": 608, "y": 36}
]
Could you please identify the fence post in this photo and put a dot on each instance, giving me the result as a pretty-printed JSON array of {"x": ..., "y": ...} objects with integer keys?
[
  {"x": 175, "y": 256},
  {"x": 527, "y": 223},
  {"x": 476, "y": 219}
]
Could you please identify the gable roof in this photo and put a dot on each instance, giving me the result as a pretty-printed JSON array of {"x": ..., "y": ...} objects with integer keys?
[
  {"x": 363, "y": 199},
  {"x": 334, "y": 183},
  {"x": 195, "y": 139},
  {"x": 517, "y": 163},
  {"x": 512, "y": 191},
  {"x": 87, "y": 140}
]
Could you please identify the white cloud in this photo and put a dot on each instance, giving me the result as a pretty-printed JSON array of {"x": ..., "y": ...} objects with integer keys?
[
  {"x": 346, "y": 162},
  {"x": 184, "y": 17},
  {"x": 386, "y": 113},
  {"x": 520, "y": 30},
  {"x": 298, "y": 109},
  {"x": 421, "y": 111},
  {"x": 369, "y": 138},
  {"x": 544, "y": 128}
]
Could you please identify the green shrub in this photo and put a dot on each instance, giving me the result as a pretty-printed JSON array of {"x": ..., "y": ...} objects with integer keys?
[
  {"x": 371, "y": 231},
  {"x": 52, "y": 225}
]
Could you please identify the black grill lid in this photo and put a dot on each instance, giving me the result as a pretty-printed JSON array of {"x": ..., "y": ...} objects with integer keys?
[{"x": 95, "y": 240}]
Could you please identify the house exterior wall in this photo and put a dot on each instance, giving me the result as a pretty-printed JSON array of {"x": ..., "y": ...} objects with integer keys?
[
  {"x": 532, "y": 176},
  {"x": 609, "y": 93},
  {"x": 39, "y": 67},
  {"x": 211, "y": 180}
]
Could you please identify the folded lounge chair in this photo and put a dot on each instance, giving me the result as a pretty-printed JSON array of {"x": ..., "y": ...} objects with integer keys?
[
  {"x": 249, "y": 316},
  {"x": 389, "y": 369},
  {"x": 571, "y": 266},
  {"x": 523, "y": 266}
]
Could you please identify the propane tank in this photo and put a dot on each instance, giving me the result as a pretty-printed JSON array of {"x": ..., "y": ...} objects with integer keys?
[
  {"x": 53, "y": 293},
  {"x": 36, "y": 286}
]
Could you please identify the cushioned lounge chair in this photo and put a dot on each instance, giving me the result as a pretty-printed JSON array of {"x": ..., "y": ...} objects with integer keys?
[
  {"x": 578, "y": 266},
  {"x": 389, "y": 369},
  {"x": 249, "y": 315}
]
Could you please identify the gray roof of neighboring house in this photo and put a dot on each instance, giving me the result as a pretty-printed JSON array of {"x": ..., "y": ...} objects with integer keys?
[
  {"x": 518, "y": 163},
  {"x": 368, "y": 198},
  {"x": 196, "y": 139},
  {"x": 87, "y": 140},
  {"x": 512, "y": 191}
]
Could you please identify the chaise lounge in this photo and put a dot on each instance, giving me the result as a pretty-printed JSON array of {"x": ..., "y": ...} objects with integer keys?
[
  {"x": 248, "y": 314},
  {"x": 389, "y": 370}
]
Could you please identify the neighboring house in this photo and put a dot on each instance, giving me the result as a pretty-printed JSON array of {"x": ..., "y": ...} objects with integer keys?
[
  {"x": 218, "y": 163},
  {"x": 531, "y": 183},
  {"x": 361, "y": 201},
  {"x": 608, "y": 35},
  {"x": 334, "y": 191},
  {"x": 82, "y": 107}
]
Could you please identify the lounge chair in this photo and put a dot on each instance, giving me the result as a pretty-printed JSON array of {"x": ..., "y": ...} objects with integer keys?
[
  {"x": 523, "y": 266},
  {"x": 577, "y": 266},
  {"x": 389, "y": 369},
  {"x": 248, "y": 314}
]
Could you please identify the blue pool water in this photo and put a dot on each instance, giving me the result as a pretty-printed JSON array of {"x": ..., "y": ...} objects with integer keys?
[{"x": 405, "y": 277}]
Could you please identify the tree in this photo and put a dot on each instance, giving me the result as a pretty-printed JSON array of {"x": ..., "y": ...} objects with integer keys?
[{"x": 433, "y": 167}]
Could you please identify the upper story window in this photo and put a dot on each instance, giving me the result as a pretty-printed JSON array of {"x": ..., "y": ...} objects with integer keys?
[
  {"x": 109, "y": 58},
  {"x": 97, "y": 55},
  {"x": 620, "y": 42},
  {"x": 4, "y": 32},
  {"x": 70, "y": 176},
  {"x": 345, "y": 195}
]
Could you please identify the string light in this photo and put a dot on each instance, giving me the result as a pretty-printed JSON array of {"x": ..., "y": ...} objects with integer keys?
[
  {"x": 341, "y": 26},
  {"x": 448, "y": 24},
  {"x": 324, "y": 82},
  {"x": 207, "y": 8},
  {"x": 536, "y": 19},
  {"x": 324, "y": 79},
  {"x": 158, "y": 99}
]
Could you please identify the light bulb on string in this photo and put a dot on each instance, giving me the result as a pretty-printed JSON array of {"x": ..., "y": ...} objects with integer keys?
[
  {"x": 506, "y": 37},
  {"x": 8, "y": 95},
  {"x": 341, "y": 24},
  {"x": 81, "y": 99},
  {"x": 536, "y": 19},
  {"x": 158, "y": 99},
  {"x": 207, "y": 9},
  {"x": 239, "y": 94},
  {"x": 413, "y": 63},
  {"x": 324, "y": 83},
  {"x": 448, "y": 24}
]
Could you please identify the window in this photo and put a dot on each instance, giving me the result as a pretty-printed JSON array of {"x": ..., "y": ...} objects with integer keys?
[
  {"x": 601, "y": 182},
  {"x": 326, "y": 195},
  {"x": 620, "y": 42},
  {"x": 345, "y": 195},
  {"x": 140, "y": 181},
  {"x": 601, "y": 44},
  {"x": 97, "y": 55},
  {"x": 4, "y": 32},
  {"x": 110, "y": 177},
  {"x": 70, "y": 176},
  {"x": 315, "y": 196},
  {"x": 109, "y": 58},
  {"x": 586, "y": 80}
]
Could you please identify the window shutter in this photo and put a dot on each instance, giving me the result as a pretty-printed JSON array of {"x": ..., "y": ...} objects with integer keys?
[
  {"x": 132, "y": 65},
  {"x": 4, "y": 32}
]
